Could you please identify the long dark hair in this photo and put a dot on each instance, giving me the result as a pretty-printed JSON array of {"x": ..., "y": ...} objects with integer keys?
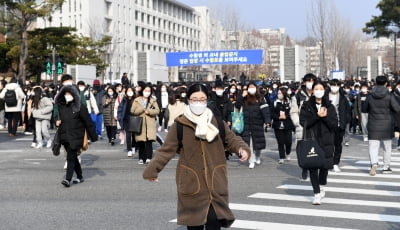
[
  {"x": 197, "y": 88},
  {"x": 252, "y": 99},
  {"x": 130, "y": 101},
  {"x": 284, "y": 91},
  {"x": 37, "y": 95}
]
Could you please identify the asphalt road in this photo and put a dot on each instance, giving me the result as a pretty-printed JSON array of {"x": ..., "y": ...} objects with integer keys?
[{"x": 114, "y": 195}]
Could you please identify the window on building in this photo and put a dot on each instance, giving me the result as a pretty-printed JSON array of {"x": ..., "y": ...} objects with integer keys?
[
  {"x": 154, "y": 35},
  {"x": 143, "y": 46},
  {"x": 136, "y": 30},
  {"x": 137, "y": 45},
  {"x": 148, "y": 34},
  {"x": 154, "y": 20},
  {"x": 148, "y": 3},
  {"x": 143, "y": 30},
  {"x": 142, "y": 17},
  {"x": 148, "y": 47},
  {"x": 136, "y": 15}
]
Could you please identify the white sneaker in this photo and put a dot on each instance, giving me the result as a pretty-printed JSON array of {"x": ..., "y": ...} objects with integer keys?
[
  {"x": 130, "y": 154},
  {"x": 372, "y": 172},
  {"x": 33, "y": 145},
  {"x": 166, "y": 130},
  {"x": 65, "y": 165},
  {"x": 281, "y": 161},
  {"x": 79, "y": 159},
  {"x": 258, "y": 160},
  {"x": 317, "y": 199},
  {"x": 39, "y": 145},
  {"x": 133, "y": 150},
  {"x": 336, "y": 168},
  {"x": 147, "y": 161},
  {"x": 159, "y": 129},
  {"x": 251, "y": 165},
  {"x": 322, "y": 192},
  {"x": 346, "y": 143},
  {"x": 140, "y": 162},
  {"x": 48, "y": 145},
  {"x": 365, "y": 139},
  {"x": 288, "y": 157}
]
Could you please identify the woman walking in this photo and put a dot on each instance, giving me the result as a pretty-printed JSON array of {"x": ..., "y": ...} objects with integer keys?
[
  {"x": 201, "y": 177},
  {"x": 319, "y": 119},
  {"x": 282, "y": 124},
  {"x": 146, "y": 107},
  {"x": 73, "y": 119},
  {"x": 42, "y": 108},
  {"x": 110, "y": 121},
  {"x": 124, "y": 113}
]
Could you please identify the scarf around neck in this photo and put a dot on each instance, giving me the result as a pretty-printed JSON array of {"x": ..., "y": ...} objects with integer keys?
[{"x": 204, "y": 130}]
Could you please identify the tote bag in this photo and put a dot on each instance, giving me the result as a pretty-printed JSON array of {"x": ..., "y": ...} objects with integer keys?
[
  {"x": 237, "y": 121},
  {"x": 135, "y": 124},
  {"x": 309, "y": 153}
]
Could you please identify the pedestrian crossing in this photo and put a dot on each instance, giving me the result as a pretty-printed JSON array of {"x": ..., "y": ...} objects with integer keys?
[{"x": 352, "y": 196}]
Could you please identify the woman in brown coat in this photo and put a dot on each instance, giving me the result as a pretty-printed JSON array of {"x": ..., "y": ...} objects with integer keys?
[
  {"x": 110, "y": 122},
  {"x": 146, "y": 107},
  {"x": 201, "y": 174}
]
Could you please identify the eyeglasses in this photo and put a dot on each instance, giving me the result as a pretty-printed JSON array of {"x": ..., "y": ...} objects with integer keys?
[{"x": 195, "y": 100}]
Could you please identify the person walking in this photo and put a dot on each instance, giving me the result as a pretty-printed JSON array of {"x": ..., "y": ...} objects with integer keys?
[
  {"x": 124, "y": 113},
  {"x": 202, "y": 183},
  {"x": 98, "y": 94},
  {"x": 2, "y": 105},
  {"x": 42, "y": 108},
  {"x": 282, "y": 124},
  {"x": 360, "y": 99},
  {"x": 162, "y": 95},
  {"x": 256, "y": 113},
  {"x": 146, "y": 107},
  {"x": 110, "y": 121},
  {"x": 73, "y": 119},
  {"x": 319, "y": 119},
  {"x": 379, "y": 106}
]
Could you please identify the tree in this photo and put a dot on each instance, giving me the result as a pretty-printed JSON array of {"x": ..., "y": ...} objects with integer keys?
[
  {"x": 390, "y": 16},
  {"x": 24, "y": 13}
]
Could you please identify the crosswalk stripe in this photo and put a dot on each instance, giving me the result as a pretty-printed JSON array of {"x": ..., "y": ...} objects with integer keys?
[
  {"x": 376, "y": 192},
  {"x": 259, "y": 225},
  {"x": 381, "y": 163},
  {"x": 391, "y": 176},
  {"x": 392, "y": 158},
  {"x": 315, "y": 212},
  {"x": 365, "y": 168},
  {"x": 364, "y": 182},
  {"x": 273, "y": 196}
]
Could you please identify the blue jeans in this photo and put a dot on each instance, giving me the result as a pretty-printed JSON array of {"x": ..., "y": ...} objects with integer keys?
[{"x": 98, "y": 122}]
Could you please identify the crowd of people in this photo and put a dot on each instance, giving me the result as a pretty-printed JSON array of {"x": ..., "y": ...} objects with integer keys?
[{"x": 327, "y": 110}]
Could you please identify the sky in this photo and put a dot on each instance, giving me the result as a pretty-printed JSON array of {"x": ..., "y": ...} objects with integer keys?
[{"x": 291, "y": 14}]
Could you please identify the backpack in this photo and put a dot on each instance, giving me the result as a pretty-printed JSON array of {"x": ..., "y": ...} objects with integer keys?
[
  {"x": 179, "y": 132},
  {"x": 10, "y": 98}
]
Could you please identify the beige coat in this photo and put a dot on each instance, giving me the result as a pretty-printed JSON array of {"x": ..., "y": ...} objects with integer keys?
[
  {"x": 149, "y": 125},
  {"x": 201, "y": 173}
]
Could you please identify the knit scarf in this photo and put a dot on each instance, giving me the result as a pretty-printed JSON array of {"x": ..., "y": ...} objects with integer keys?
[{"x": 204, "y": 129}]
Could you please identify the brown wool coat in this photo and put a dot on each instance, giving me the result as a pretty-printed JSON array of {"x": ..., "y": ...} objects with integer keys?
[
  {"x": 149, "y": 125},
  {"x": 201, "y": 173}
]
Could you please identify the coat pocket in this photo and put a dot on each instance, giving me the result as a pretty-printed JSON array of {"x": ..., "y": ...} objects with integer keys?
[
  {"x": 220, "y": 180},
  {"x": 188, "y": 181}
]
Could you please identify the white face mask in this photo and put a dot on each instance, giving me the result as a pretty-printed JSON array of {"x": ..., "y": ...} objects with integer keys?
[
  {"x": 81, "y": 88},
  {"x": 334, "y": 89},
  {"x": 252, "y": 91},
  {"x": 198, "y": 108},
  {"x": 146, "y": 94},
  {"x": 280, "y": 96},
  {"x": 274, "y": 86},
  {"x": 163, "y": 89},
  {"x": 289, "y": 92},
  {"x": 68, "y": 98},
  {"x": 364, "y": 90},
  {"x": 183, "y": 94},
  {"x": 67, "y": 83},
  {"x": 232, "y": 90},
  {"x": 319, "y": 93},
  {"x": 130, "y": 94},
  {"x": 111, "y": 94},
  {"x": 309, "y": 85},
  {"x": 219, "y": 92}
]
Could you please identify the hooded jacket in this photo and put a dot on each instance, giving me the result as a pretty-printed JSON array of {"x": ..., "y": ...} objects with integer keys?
[
  {"x": 380, "y": 106},
  {"x": 18, "y": 93},
  {"x": 75, "y": 119}
]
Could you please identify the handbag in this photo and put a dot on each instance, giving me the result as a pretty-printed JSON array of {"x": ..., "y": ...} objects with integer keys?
[
  {"x": 56, "y": 144},
  {"x": 85, "y": 144},
  {"x": 135, "y": 124},
  {"x": 237, "y": 121},
  {"x": 309, "y": 153}
]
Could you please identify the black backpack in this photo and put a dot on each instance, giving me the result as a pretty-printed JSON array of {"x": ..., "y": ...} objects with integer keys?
[
  {"x": 179, "y": 132},
  {"x": 10, "y": 98}
]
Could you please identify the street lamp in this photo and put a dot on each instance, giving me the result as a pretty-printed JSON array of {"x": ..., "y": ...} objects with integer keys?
[{"x": 395, "y": 30}]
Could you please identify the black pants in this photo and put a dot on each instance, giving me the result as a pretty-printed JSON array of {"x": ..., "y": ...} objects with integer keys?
[
  {"x": 13, "y": 121},
  {"x": 212, "y": 222},
  {"x": 73, "y": 163},
  {"x": 284, "y": 139},
  {"x": 339, "y": 134},
  {"x": 318, "y": 177},
  {"x": 161, "y": 117},
  {"x": 130, "y": 140},
  {"x": 145, "y": 150},
  {"x": 111, "y": 132}
]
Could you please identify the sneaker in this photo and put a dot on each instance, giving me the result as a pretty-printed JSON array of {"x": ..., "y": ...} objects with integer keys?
[
  {"x": 39, "y": 145},
  {"x": 130, "y": 154},
  {"x": 77, "y": 181},
  {"x": 387, "y": 170},
  {"x": 147, "y": 161},
  {"x": 288, "y": 157},
  {"x": 133, "y": 150},
  {"x": 372, "y": 172},
  {"x": 112, "y": 142},
  {"x": 346, "y": 143},
  {"x": 159, "y": 129},
  {"x": 281, "y": 161},
  {"x": 336, "y": 168},
  {"x": 100, "y": 137},
  {"x": 322, "y": 192},
  {"x": 33, "y": 145},
  {"x": 48, "y": 145},
  {"x": 140, "y": 162},
  {"x": 251, "y": 165},
  {"x": 66, "y": 183},
  {"x": 258, "y": 160},
  {"x": 165, "y": 130},
  {"x": 66, "y": 165},
  {"x": 80, "y": 159},
  {"x": 365, "y": 139},
  {"x": 27, "y": 133},
  {"x": 317, "y": 199}
]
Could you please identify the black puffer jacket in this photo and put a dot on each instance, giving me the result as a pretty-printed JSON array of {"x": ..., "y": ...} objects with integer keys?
[
  {"x": 380, "y": 106},
  {"x": 255, "y": 116},
  {"x": 322, "y": 128},
  {"x": 74, "y": 119},
  {"x": 278, "y": 106}
]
